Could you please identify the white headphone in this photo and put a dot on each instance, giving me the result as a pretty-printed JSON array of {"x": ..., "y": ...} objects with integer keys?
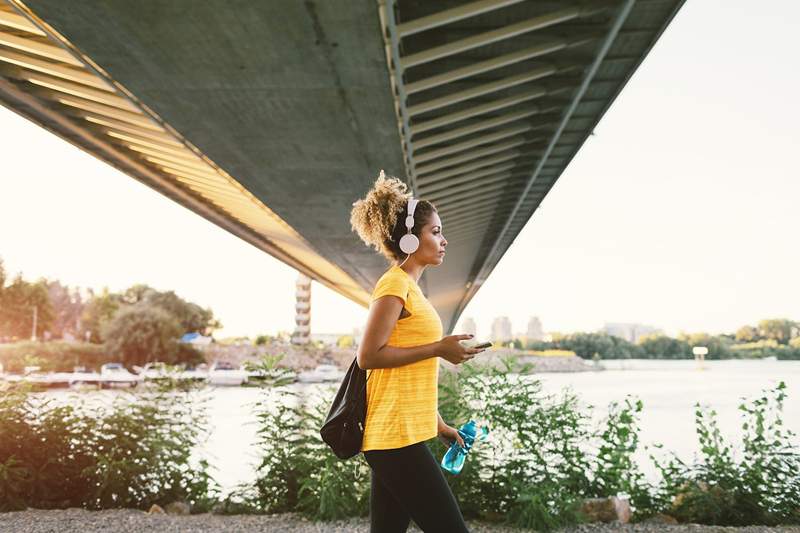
[{"x": 409, "y": 243}]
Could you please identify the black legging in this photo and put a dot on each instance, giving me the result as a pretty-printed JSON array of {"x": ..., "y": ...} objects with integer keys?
[{"x": 408, "y": 483}]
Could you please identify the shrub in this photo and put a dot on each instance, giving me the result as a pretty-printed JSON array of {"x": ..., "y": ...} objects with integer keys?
[
  {"x": 130, "y": 452},
  {"x": 756, "y": 482},
  {"x": 57, "y": 356}
]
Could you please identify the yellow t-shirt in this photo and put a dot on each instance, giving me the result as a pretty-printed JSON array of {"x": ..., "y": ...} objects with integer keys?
[{"x": 402, "y": 402}]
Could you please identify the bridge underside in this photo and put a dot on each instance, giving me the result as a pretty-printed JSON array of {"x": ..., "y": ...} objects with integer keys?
[{"x": 271, "y": 118}]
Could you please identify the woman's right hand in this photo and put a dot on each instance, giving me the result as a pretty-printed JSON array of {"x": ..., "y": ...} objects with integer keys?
[{"x": 453, "y": 351}]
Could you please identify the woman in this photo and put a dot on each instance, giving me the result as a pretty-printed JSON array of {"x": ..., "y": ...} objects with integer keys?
[{"x": 401, "y": 347}]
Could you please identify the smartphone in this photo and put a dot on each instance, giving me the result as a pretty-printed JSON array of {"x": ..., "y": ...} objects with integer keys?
[{"x": 483, "y": 345}]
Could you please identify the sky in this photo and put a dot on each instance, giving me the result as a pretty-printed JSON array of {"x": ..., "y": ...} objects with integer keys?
[{"x": 681, "y": 212}]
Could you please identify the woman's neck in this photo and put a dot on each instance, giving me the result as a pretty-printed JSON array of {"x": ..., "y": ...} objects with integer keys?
[{"x": 414, "y": 270}]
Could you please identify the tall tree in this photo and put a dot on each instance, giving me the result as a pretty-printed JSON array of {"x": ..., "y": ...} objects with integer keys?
[
  {"x": 99, "y": 310},
  {"x": 22, "y": 304},
  {"x": 778, "y": 329},
  {"x": 190, "y": 316},
  {"x": 67, "y": 308},
  {"x": 140, "y": 334},
  {"x": 747, "y": 334}
]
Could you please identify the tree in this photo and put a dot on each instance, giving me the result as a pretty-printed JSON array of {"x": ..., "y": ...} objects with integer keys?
[
  {"x": 661, "y": 346},
  {"x": 67, "y": 309},
  {"x": 747, "y": 334},
  {"x": 586, "y": 344},
  {"x": 20, "y": 301},
  {"x": 778, "y": 329},
  {"x": 140, "y": 334},
  {"x": 190, "y": 316},
  {"x": 98, "y": 312},
  {"x": 718, "y": 345}
]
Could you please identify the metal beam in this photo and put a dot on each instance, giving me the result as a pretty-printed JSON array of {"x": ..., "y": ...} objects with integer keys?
[
  {"x": 56, "y": 69},
  {"x": 478, "y": 191},
  {"x": 455, "y": 171},
  {"x": 433, "y": 155},
  {"x": 619, "y": 19},
  {"x": 391, "y": 39},
  {"x": 152, "y": 130},
  {"x": 470, "y": 211},
  {"x": 480, "y": 195},
  {"x": 482, "y": 39},
  {"x": 473, "y": 154},
  {"x": 486, "y": 88},
  {"x": 447, "y": 198},
  {"x": 451, "y": 15},
  {"x": 475, "y": 127},
  {"x": 38, "y": 48},
  {"x": 472, "y": 185},
  {"x": 433, "y": 186},
  {"x": 491, "y": 64},
  {"x": 474, "y": 111},
  {"x": 18, "y": 22}
]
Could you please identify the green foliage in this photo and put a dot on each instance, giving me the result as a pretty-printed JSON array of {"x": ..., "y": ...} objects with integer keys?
[
  {"x": 17, "y": 303},
  {"x": 756, "y": 482},
  {"x": 777, "y": 329},
  {"x": 191, "y": 317},
  {"x": 661, "y": 346},
  {"x": 131, "y": 452},
  {"x": 345, "y": 341},
  {"x": 67, "y": 309},
  {"x": 767, "y": 348},
  {"x": 57, "y": 356},
  {"x": 139, "y": 334},
  {"x": 585, "y": 345},
  {"x": 99, "y": 310},
  {"x": 298, "y": 472},
  {"x": 719, "y": 346}
]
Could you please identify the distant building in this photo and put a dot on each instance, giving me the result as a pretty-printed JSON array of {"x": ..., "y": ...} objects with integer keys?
[
  {"x": 629, "y": 332},
  {"x": 501, "y": 329},
  {"x": 535, "y": 332},
  {"x": 468, "y": 327},
  {"x": 302, "y": 318}
]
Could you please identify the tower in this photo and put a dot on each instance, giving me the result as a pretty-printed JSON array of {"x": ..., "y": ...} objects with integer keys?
[{"x": 302, "y": 306}]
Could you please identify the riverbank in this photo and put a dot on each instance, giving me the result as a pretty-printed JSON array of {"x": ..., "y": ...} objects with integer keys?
[{"x": 133, "y": 521}]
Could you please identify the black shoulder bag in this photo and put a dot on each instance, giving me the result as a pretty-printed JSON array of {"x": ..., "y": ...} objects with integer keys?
[{"x": 343, "y": 429}]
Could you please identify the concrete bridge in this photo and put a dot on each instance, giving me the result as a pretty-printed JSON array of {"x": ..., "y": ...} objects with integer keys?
[{"x": 269, "y": 118}]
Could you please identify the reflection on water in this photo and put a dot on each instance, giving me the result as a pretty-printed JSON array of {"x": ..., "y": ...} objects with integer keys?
[{"x": 668, "y": 389}]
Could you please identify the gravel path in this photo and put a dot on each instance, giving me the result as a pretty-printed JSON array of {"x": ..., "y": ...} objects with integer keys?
[{"x": 132, "y": 521}]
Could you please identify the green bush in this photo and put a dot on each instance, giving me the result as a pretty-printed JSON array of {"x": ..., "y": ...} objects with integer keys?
[
  {"x": 533, "y": 471},
  {"x": 131, "y": 452},
  {"x": 754, "y": 482},
  {"x": 56, "y": 356}
]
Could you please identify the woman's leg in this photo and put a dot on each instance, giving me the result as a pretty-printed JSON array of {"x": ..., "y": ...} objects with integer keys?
[
  {"x": 386, "y": 515},
  {"x": 415, "y": 480}
]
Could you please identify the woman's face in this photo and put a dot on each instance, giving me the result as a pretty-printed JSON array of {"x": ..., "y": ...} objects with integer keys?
[{"x": 431, "y": 242}]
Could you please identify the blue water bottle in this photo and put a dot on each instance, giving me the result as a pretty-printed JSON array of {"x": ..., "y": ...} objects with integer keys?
[{"x": 453, "y": 460}]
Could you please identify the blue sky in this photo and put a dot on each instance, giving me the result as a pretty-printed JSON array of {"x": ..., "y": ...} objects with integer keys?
[{"x": 680, "y": 212}]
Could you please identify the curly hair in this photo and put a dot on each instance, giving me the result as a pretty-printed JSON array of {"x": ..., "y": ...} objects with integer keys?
[{"x": 379, "y": 218}]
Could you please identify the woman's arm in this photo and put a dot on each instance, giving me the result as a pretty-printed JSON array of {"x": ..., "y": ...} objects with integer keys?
[{"x": 373, "y": 352}]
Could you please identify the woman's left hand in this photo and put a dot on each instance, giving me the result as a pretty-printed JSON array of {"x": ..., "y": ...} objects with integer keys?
[{"x": 448, "y": 434}]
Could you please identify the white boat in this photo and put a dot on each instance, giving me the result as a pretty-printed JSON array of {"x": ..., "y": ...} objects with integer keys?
[
  {"x": 321, "y": 374},
  {"x": 50, "y": 380},
  {"x": 114, "y": 375},
  {"x": 770, "y": 358},
  {"x": 225, "y": 373}
]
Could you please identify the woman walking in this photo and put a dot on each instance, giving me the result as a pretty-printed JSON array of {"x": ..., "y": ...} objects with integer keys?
[{"x": 401, "y": 347}]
